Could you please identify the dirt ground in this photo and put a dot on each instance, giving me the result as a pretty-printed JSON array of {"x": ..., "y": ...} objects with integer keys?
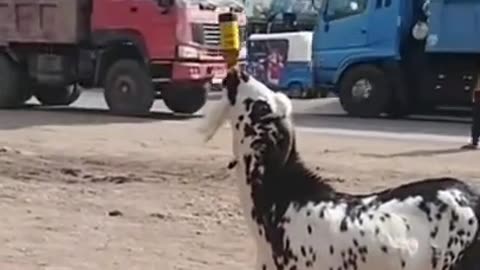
[{"x": 88, "y": 191}]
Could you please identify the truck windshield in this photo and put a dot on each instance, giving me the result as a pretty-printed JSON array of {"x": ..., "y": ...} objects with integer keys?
[
  {"x": 337, "y": 9},
  {"x": 262, "y": 8},
  {"x": 216, "y": 3}
]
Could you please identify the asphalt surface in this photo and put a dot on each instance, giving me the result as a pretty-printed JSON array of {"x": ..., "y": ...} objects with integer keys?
[{"x": 325, "y": 116}]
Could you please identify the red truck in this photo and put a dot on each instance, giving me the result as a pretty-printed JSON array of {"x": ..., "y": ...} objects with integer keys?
[{"x": 136, "y": 50}]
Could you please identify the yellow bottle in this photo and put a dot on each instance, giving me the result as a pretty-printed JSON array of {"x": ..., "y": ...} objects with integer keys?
[{"x": 229, "y": 38}]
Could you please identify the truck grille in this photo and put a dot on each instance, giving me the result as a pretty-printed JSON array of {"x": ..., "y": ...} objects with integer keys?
[{"x": 209, "y": 34}]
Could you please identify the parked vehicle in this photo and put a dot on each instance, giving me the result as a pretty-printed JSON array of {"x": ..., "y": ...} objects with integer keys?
[
  {"x": 397, "y": 57},
  {"x": 282, "y": 61},
  {"x": 135, "y": 50}
]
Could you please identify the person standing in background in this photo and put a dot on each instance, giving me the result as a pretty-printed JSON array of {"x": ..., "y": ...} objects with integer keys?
[{"x": 475, "y": 128}]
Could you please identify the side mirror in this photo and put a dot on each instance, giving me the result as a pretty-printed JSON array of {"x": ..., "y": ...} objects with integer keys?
[{"x": 325, "y": 15}]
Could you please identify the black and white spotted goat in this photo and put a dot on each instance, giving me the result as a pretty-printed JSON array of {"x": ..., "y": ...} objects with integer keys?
[{"x": 301, "y": 222}]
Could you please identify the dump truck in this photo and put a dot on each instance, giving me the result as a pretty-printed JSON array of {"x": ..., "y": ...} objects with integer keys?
[
  {"x": 137, "y": 51},
  {"x": 397, "y": 57}
]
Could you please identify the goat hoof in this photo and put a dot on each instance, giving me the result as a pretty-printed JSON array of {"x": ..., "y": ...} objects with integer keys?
[{"x": 232, "y": 164}]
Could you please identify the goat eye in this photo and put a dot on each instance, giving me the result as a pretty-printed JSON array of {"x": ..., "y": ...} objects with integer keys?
[
  {"x": 264, "y": 108},
  {"x": 260, "y": 109}
]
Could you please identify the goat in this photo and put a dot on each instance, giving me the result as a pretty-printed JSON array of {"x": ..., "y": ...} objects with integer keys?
[{"x": 300, "y": 222}]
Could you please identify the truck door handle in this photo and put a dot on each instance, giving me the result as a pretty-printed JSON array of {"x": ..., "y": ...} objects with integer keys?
[
  {"x": 133, "y": 9},
  {"x": 363, "y": 31}
]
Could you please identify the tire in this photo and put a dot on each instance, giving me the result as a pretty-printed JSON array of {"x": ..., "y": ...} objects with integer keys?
[
  {"x": 185, "y": 100},
  {"x": 366, "y": 103},
  {"x": 295, "y": 91},
  {"x": 57, "y": 96},
  {"x": 14, "y": 84},
  {"x": 128, "y": 88}
]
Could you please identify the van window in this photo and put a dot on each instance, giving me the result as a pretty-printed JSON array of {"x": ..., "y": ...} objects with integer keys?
[
  {"x": 267, "y": 58},
  {"x": 261, "y": 49},
  {"x": 338, "y": 9}
]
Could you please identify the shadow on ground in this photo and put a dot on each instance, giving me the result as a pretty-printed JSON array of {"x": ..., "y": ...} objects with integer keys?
[
  {"x": 417, "y": 124},
  {"x": 419, "y": 153},
  {"x": 33, "y": 115}
]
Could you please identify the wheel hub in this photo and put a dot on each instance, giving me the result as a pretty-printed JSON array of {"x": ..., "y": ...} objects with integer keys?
[
  {"x": 125, "y": 86},
  {"x": 362, "y": 89}
]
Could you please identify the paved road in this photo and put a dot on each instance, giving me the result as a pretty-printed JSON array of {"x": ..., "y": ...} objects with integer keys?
[{"x": 326, "y": 116}]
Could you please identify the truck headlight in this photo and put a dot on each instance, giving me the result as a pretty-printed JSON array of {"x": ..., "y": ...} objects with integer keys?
[{"x": 187, "y": 52}]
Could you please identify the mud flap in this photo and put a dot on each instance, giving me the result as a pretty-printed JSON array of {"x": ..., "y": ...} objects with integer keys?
[{"x": 400, "y": 102}]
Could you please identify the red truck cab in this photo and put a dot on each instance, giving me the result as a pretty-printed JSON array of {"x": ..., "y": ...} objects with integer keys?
[
  {"x": 176, "y": 40},
  {"x": 136, "y": 50}
]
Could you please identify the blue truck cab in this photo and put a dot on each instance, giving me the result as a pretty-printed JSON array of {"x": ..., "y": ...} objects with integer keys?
[{"x": 397, "y": 56}]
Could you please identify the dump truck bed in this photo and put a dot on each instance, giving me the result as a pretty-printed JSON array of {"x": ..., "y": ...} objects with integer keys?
[
  {"x": 454, "y": 27},
  {"x": 44, "y": 21}
]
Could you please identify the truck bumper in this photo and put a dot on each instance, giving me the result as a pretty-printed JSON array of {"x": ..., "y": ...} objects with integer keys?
[{"x": 211, "y": 73}]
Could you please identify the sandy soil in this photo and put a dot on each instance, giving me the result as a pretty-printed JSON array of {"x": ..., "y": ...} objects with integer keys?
[{"x": 88, "y": 191}]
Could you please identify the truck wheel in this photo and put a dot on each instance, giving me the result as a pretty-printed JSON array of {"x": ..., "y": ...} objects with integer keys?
[
  {"x": 185, "y": 100},
  {"x": 13, "y": 87},
  {"x": 364, "y": 91},
  {"x": 295, "y": 90},
  {"x": 128, "y": 88},
  {"x": 57, "y": 96}
]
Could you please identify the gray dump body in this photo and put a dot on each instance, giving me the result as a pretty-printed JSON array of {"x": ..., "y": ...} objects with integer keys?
[{"x": 44, "y": 21}]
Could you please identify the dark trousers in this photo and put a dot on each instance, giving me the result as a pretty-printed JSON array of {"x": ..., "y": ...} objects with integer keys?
[{"x": 475, "y": 123}]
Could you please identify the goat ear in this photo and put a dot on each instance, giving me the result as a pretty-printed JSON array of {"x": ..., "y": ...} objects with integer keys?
[
  {"x": 284, "y": 104},
  {"x": 214, "y": 119},
  {"x": 244, "y": 76},
  {"x": 231, "y": 83}
]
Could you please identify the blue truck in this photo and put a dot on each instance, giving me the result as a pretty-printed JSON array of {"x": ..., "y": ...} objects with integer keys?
[{"x": 397, "y": 57}]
